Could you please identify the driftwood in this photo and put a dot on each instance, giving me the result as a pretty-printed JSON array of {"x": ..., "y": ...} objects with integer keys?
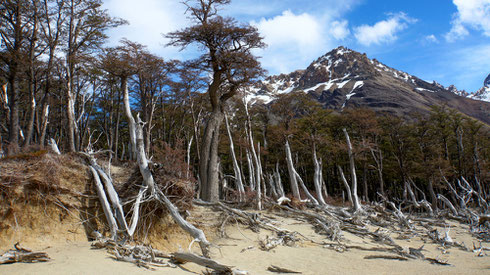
[
  {"x": 181, "y": 258},
  {"x": 278, "y": 269},
  {"x": 386, "y": 257},
  {"x": 140, "y": 255},
  {"x": 23, "y": 255},
  {"x": 437, "y": 261}
]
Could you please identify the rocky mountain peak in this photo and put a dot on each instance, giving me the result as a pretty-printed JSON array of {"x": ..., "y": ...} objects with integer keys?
[
  {"x": 340, "y": 63},
  {"x": 455, "y": 90},
  {"x": 484, "y": 93},
  {"x": 344, "y": 78}
]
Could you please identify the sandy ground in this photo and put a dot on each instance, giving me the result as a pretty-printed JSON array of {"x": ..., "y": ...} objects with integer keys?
[{"x": 241, "y": 250}]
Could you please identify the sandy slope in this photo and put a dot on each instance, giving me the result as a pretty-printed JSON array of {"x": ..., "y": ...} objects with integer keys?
[{"x": 76, "y": 257}]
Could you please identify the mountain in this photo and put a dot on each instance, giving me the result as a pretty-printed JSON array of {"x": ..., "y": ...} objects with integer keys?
[
  {"x": 484, "y": 92},
  {"x": 344, "y": 78}
]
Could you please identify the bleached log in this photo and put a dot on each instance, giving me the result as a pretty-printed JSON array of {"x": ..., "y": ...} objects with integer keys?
[
  {"x": 303, "y": 186},
  {"x": 292, "y": 172},
  {"x": 105, "y": 203},
  {"x": 113, "y": 196},
  {"x": 23, "y": 255},
  {"x": 481, "y": 201},
  {"x": 188, "y": 257},
  {"x": 236, "y": 168},
  {"x": 448, "y": 204},
  {"x": 411, "y": 193},
  {"x": 278, "y": 269},
  {"x": 196, "y": 233},
  {"x": 460, "y": 199},
  {"x": 148, "y": 181},
  {"x": 136, "y": 211},
  {"x": 355, "y": 198},
  {"x": 54, "y": 146}
]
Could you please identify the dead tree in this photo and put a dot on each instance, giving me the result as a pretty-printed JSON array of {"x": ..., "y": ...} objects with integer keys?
[
  {"x": 292, "y": 173},
  {"x": 355, "y": 199},
  {"x": 294, "y": 178},
  {"x": 236, "y": 168},
  {"x": 317, "y": 177},
  {"x": 256, "y": 161}
]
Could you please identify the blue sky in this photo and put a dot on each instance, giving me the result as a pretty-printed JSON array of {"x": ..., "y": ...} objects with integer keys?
[{"x": 443, "y": 40}]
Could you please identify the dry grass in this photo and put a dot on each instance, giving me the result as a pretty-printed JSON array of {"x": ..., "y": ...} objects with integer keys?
[{"x": 41, "y": 195}]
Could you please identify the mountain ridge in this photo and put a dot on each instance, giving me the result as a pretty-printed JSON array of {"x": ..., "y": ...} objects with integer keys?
[{"x": 344, "y": 78}]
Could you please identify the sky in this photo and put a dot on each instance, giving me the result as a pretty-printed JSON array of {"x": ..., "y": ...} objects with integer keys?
[{"x": 443, "y": 40}]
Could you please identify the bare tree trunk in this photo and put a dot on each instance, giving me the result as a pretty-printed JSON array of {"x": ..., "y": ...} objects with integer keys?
[
  {"x": 188, "y": 159},
  {"x": 279, "y": 186},
  {"x": 30, "y": 124},
  {"x": 292, "y": 173},
  {"x": 317, "y": 177},
  {"x": 432, "y": 195},
  {"x": 70, "y": 114},
  {"x": 378, "y": 159},
  {"x": 105, "y": 203},
  {"x": 44, "y": 124},
  {"x": 357, "y": 204},
  {"x": 129, "y": 116},
  {"x": 448, "y": 204},
  {"x": 258, "y": 169},
  {"x": 251, "y": 171},
  {"x": 236, "y": 168},
  {"x": 303, "y": 186},
  {"x": 346, "y": 184}
]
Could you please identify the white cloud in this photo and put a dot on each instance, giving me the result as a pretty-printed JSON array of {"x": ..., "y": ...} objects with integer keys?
[
  {"x": 383, "y": 31},
  {"x": 148, "y": 19},
  {"x": 294, "y": 40},
  {"x": 340, "y": 29},
  {"x": 431, "y": 38},
  {"x": 473, "y": 14},
  {"x": 287, "y": 28}
]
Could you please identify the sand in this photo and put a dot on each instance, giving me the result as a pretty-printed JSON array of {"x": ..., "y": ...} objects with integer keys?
[{"x": 74, "y": 256}]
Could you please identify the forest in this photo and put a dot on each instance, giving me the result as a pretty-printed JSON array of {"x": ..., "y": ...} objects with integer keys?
[{"x": 65, "y": 90}]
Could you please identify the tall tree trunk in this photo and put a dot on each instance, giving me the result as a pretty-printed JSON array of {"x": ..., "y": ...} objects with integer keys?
[
  {"x": 208, "y": 166},
  {"x": 355, "y": 198},
  {"x": 127, "y": 108},
  {"x": 14, "y": 127},
  {"x": 258, "y": 169},
  {"x": 70, "y": 112},
  {"x": 44, "y": 124},
  {"x": 317, "y": 177},
  {"x": 236, "y": 168},
  {"x": 292, "y": 173}
]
